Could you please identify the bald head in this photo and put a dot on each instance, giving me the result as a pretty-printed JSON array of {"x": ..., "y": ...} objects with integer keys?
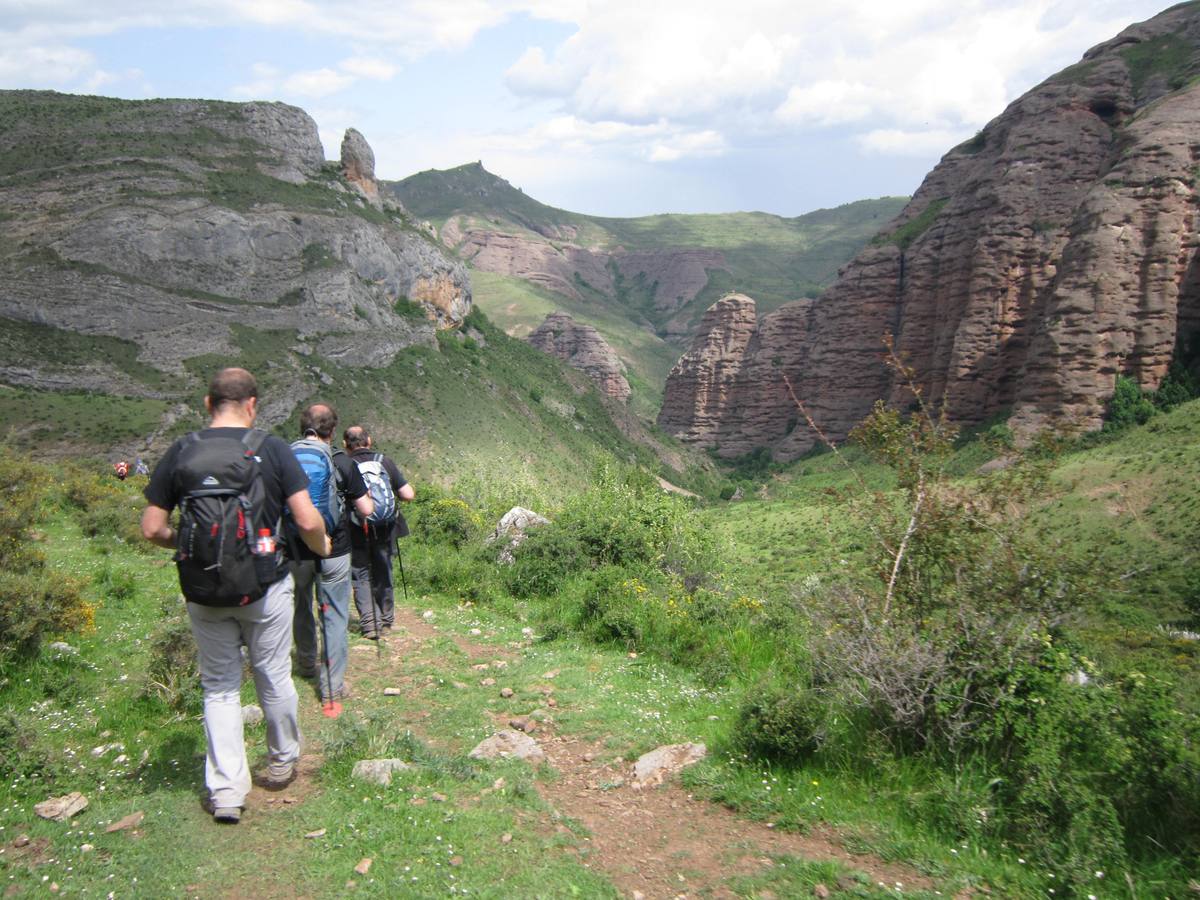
[
  {"x": 319, "y": 419},
  {"x": 356, "y": 437}
]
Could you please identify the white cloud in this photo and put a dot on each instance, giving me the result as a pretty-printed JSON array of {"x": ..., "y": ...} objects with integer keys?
[
  {"x": 898, "y": 142},
  {"x": 827, "y": 103},
  {"x": 367, "y": 67},
  {"x": 56, "y": 64},
  {"x": 317, "y": 82}
]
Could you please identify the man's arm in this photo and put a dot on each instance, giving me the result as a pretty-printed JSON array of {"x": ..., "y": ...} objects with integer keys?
[
  {"x": 156, "y": 527},
  {"x": 364, "y": 506},
  {"x": 309, "y": 523},
  {"x": 406, "y": 492}
]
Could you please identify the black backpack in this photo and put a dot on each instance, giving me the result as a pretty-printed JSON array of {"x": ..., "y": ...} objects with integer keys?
[{"x": 222, "y": 555}]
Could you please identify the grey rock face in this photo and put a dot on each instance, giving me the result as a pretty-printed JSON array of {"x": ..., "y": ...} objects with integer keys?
[
  {"x": 581, "y": 347},
  {"x": 193, "y": 227}
]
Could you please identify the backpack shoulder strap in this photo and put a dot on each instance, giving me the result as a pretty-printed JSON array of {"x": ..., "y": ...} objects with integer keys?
[{"x": 252, "y": 440}]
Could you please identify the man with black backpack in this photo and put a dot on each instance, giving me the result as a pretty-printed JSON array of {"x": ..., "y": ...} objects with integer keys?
[
  {"x": 332, "y": 480},
  {"x": 232, "y": 483},
  {"x": 373, "y": 538}
]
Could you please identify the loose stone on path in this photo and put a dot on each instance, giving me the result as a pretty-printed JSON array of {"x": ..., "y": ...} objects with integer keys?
[
  {"x": 60, "y": 809},
  {"x": 505, "y": 744},
  {"x": 378, "y": 771}
]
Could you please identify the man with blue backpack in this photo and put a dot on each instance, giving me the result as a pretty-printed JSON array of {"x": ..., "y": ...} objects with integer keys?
[
  {"x": 333, "y": 479},
  {"x": 373, "y": 538}
]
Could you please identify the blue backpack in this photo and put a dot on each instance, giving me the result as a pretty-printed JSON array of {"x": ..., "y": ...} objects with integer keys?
[{"x": 316, "y": 459}]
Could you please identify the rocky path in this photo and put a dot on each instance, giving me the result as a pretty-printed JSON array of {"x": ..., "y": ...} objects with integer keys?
[{"x": 653, "y": 842}]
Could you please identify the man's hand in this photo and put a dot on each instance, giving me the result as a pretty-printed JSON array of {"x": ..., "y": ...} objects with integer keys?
[
  {"x": 156, "y": 527},
  {"x": 309, "y": 523}
]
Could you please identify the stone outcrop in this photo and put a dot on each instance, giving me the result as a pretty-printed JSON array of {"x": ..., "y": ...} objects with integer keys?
[
  {"x": 358, "y": 164},
  {"x": 581, "y": 347},
  {"x": 190, "y": 227},
  {"x": 1037, "y": 262},
  {"x": 700, "y": 386}
]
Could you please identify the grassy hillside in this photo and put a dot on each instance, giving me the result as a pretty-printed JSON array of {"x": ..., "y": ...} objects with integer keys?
[
  {"x": 489, "y": 410},
  {"x": 771, "y": 258},
  {"x": 652, "y": 622}
]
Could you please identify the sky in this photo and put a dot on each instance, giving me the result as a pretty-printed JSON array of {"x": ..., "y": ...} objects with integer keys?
[{"x": 607, "y": 107}]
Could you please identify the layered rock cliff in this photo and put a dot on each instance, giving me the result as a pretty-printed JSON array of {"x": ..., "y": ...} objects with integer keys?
[
  {"x": 1038, "y": 261},
  {"x": 191, "y": 226},
  {"x": 581, "y": 347}
]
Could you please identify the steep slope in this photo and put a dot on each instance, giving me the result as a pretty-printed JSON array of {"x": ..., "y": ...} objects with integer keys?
[
  {"x": 169, "y": 222},
  {"x": 1036, "y": 263},
  {"x": 659, "y": 272}
]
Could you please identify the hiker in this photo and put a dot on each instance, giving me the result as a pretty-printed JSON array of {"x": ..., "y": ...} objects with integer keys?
[
  {"x": 333, "y": 479},
  {"x": 235, "y": 578},
  {"x": 374, "y": 539},
  {"x": 121, "y": 470},
  {"x": 140, "y": 467}
]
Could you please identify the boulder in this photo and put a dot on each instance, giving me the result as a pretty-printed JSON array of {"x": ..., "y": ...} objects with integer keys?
[
  {"x": 378, "y": 771},
  {"x": 507, "y": 743},
  {"x": 658, "y": 765},
  {"x": 512, "y": 530},
  {"x": 60, "y": 809}
]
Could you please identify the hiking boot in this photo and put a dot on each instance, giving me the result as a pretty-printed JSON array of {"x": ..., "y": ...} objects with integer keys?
[
  {"x": 227, "y": 815},
  {"x": 278, "y": 776},
  {"x": 371, "y": 635},
  {"x": 386, "y": 630}
]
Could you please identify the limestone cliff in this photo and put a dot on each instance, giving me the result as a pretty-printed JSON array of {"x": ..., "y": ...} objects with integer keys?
[
  {"x": 1037, "y": 262},
  {"x": 581, "y": 347},
  {"x": 191, "y": 226}
]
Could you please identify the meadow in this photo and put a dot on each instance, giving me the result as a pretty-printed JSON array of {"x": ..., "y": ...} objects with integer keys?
[{"x": 1072, "y": 769}]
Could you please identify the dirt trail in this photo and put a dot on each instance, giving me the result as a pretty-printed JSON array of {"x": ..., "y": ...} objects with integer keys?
[{"x": 659, "y": 842}]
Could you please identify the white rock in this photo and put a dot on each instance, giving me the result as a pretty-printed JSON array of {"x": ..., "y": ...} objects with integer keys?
[
  {"x": 60, "y": 809},
  {"x": 508, "y": 743},
  {"x": 659, "y": 764},
  {"x": 251, "y": 714},
  {"x": 378, "y": 770}
]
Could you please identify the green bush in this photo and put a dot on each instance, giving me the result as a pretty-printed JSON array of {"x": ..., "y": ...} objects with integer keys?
[
  {"x": 1128, "y": 406},
  {"x": 445, "y": 520},
  {"x": 172, "y": 673},
  {"x": 38, "y": 603},
  {"x": 784, "y": 723}
]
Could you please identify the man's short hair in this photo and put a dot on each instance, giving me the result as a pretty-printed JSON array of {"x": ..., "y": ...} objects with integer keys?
[
  {"x": 231, "y": 385},
  {"x": 356, "y": 437},
  {"x": 320, "y": 419}
]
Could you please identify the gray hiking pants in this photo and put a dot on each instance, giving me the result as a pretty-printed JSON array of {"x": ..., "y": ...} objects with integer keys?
[
  {"x": 331, "y": 577},
  {"x": 265, "y": 627}
]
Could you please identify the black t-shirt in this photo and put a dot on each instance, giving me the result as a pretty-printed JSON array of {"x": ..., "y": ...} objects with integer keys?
[
  {"x": 282, "y": 475},
  {"x": 400, "y": 527}
]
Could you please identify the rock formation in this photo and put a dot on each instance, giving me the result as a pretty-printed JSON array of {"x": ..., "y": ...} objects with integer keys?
[
  {"x": 1037, "y": 262},
  {"x": 700, "y": 386},
  {"x": 581, "y": 347},
  {"x": 192, "y": 226},
  {"x": 358, "y": 163}
]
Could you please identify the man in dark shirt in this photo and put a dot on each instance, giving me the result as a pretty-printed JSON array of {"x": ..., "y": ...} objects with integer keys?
[
  {"x": 374, "y": 545},
  {"x": 331, "y": 575},
  {"x": 263, "y": 626}
]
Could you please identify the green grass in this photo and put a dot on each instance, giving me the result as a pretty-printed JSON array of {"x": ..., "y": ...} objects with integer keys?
[
  {"x": 1168, "y": 55},
  {"x": 35, "y": 418},
  {"x": 904, "y": 236}
]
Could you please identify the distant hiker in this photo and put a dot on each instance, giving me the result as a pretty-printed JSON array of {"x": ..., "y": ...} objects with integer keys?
[
  {"x": 332, "y": 480},
  {"x": 373, "y": 539},
  {"x": 231, "y": 483},
  {"x": 140, "y": 468},
  {"x": 121, "y": 469}
]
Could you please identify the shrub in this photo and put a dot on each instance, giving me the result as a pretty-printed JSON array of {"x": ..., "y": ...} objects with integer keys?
[
  {"x": 780, "y": 722},
  {"x": 446, "y": 520},
  {"x": 172, "y": 674},
  {"x": 38, "y": 603}
]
